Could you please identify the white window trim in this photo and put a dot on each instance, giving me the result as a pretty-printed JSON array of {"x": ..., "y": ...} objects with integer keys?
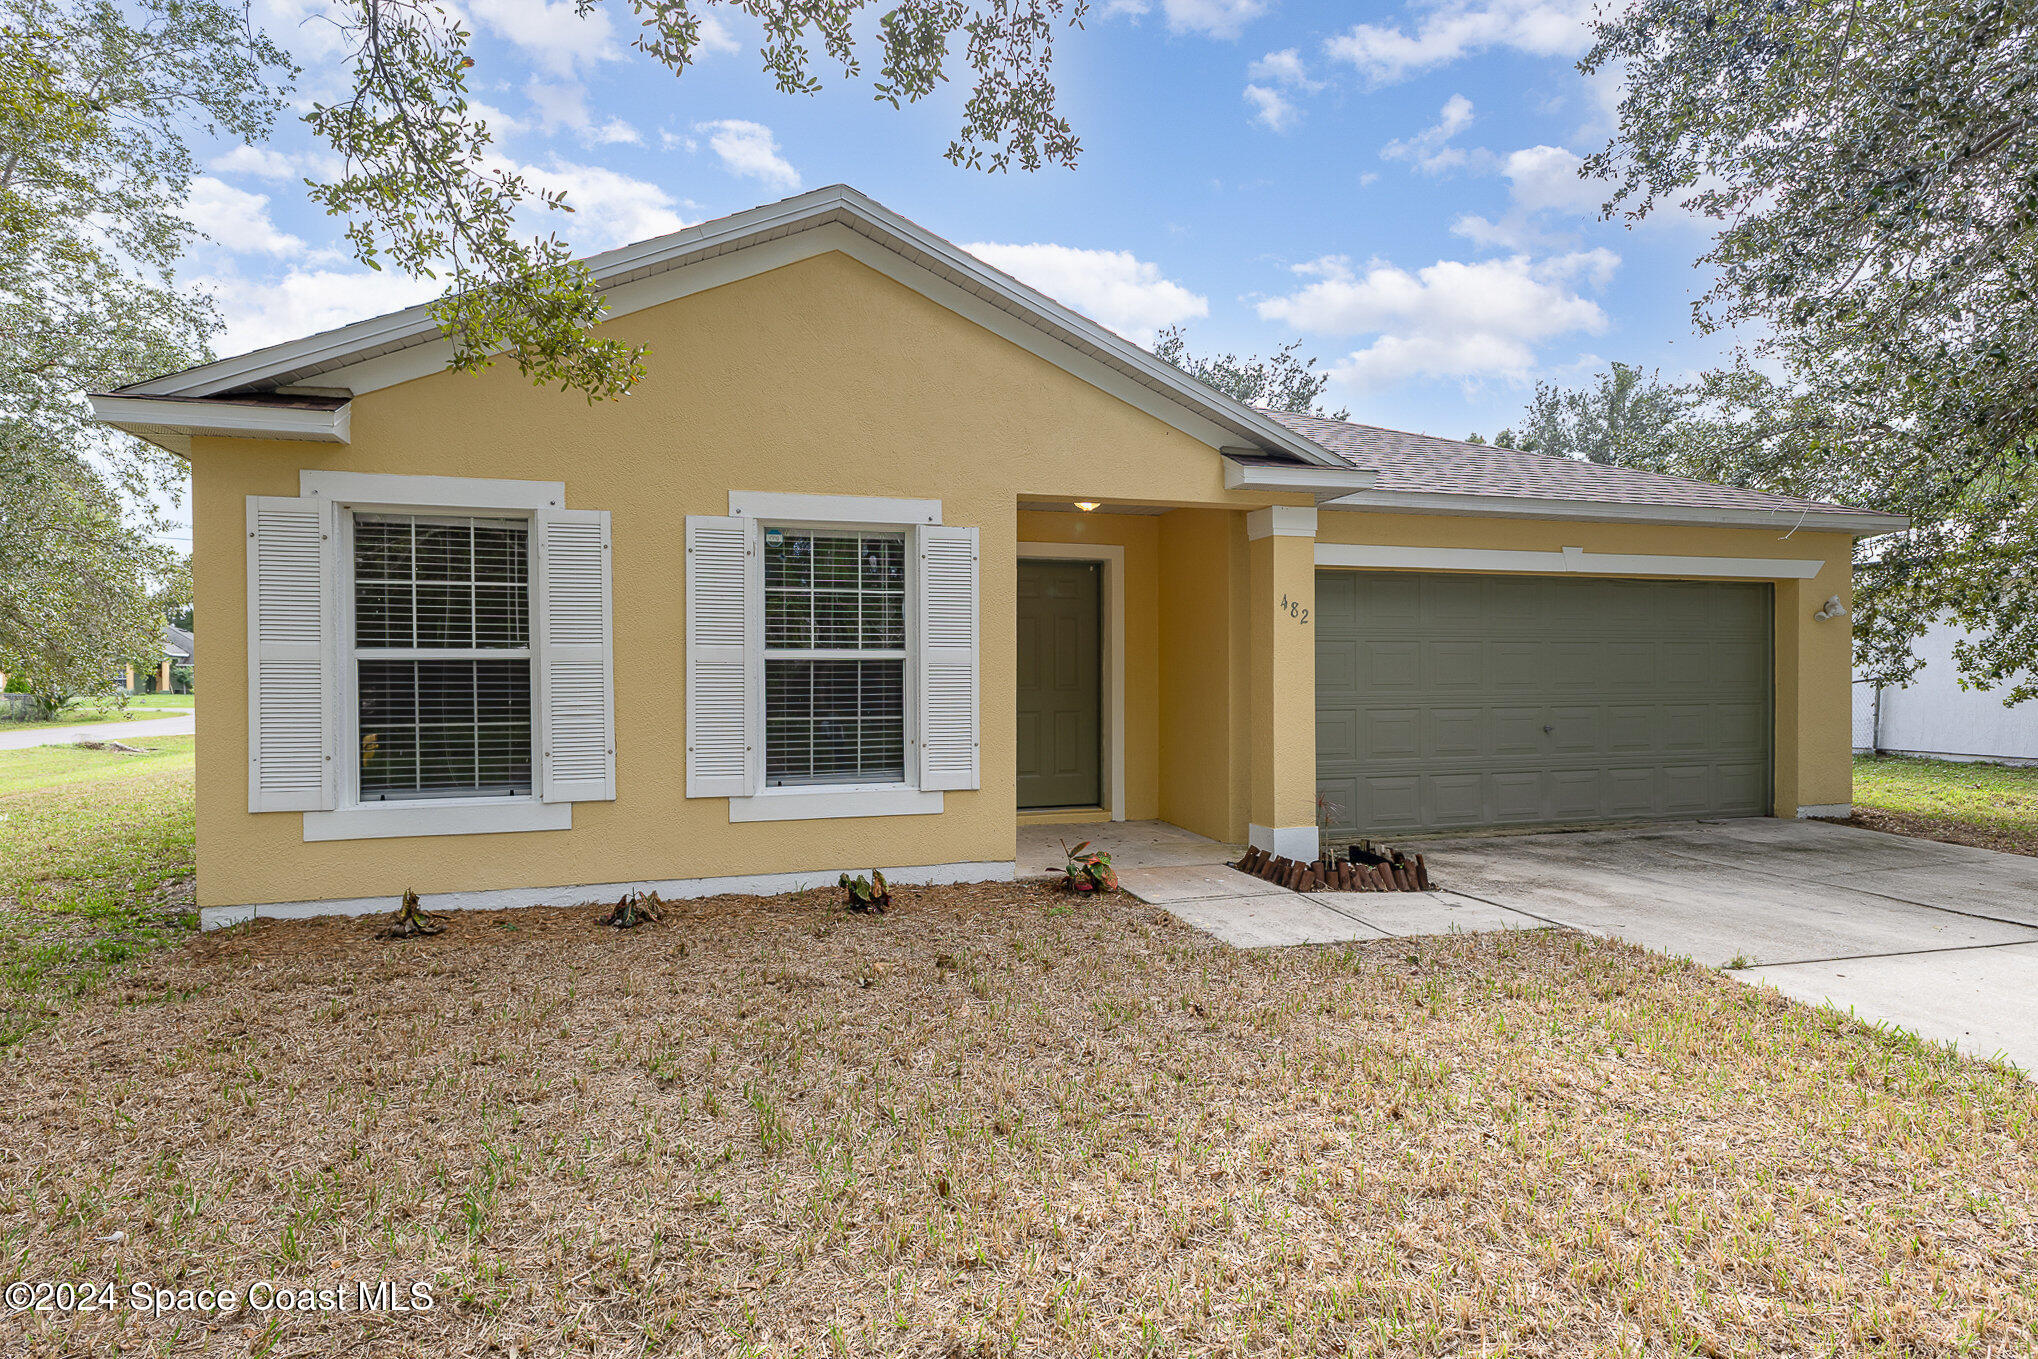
[
  {"x": 823, "y": 801},
  {"x": 347, "y": 493},
  {"x": 1112, "y": 557}
]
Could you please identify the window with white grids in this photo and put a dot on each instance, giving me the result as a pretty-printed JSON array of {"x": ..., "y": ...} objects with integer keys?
[
  {"x": 442, "y": 656},
  {"x": 834, "y": 657}
]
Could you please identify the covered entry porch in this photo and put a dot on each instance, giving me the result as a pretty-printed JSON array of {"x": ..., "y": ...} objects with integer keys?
[{"x": 1164, "y": 677}]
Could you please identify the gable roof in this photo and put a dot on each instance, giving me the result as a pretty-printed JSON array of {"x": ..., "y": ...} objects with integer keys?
[
  {"x": 299, "y": 364},
  {"x": 1420, "y": 471}
]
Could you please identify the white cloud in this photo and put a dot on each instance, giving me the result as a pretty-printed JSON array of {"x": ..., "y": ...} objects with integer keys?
[
  {"x": 500, "y": 124},
  {"x": 1545, "y": 178},
  {"x": 1430, "y": 149},
  {"x": 559, "y": 104},
  {"x": 1449, "y": 29},
  {"x": 749, "y": 150},
  {"x": 555, "y": 35},
  {"x": 609, "y": 208},
  {"x": 1284, "y": 67},
  {"x": 236, "y": 219},
  {"x": 259, "y": 161},
  {"x": 1272, "y": 108},
  {"x": 1212, "y": 18},
  {"x": 1111, "y": 287},
  {"x": 716, "y": 37},
  {"x": 266, "y": 311},
  {"x": 614, "y": 131},
  {"x": 1452, "y": 319}
]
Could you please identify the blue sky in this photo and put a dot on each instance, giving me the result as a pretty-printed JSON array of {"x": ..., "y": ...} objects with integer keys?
[{"x": 1393, "y": 185}]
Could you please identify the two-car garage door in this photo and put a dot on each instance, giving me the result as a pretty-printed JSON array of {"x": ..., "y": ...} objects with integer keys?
[{"x": 1447, "y": 701}]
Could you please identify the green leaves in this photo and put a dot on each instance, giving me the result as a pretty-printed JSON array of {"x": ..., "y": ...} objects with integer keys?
[
  {"x": 1872, "y": 172},
  {"x": 1285, "y": 381},
  {"x": 423, "y": 191}
]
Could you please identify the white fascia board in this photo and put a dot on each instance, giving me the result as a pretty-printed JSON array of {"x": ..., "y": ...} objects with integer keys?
[
  {"x": 1567, "y": 561},
  {"x": 1522, "y": 507},
  {"x": 1325, "y": 483},
  {"x": 227, "y": 419},
  {"x": 325, "y": 354}
]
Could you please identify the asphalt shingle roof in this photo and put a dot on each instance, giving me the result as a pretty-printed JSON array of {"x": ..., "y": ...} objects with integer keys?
[{"x": 1422, "y": 462}]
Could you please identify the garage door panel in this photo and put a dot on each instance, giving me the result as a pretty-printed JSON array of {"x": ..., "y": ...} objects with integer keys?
[
  {"x": 1688, "y": 727},
  {"x": 1337, "y": 665},
  {"x": 1389, "y": 602},
  {"x": 1518, "y": 730},
  {"x": 1388, "y": 666},
  {"x": 1518, "y": 797},
  {"x": 1742, "y": 787},
  {"x": 1392, "y": 802},
  {"x": 1337, "y": 602},
  {"x": 1577, "y": 729},
  {"x": 1391, "y": 734},
  {"x": 1337, "y": 737},
  {"x": 1738, "y": 665},
  {"x": 1630, "y": 791},
  {"x": 1517, "y": 667},
  {"x": 1575, "y": 795},
  {"x": 1434, "y": 692},
  {"x": 1454, "y": 799},
  {"x": 1574, "y": 666},
  {"x": 1456, "y": 733},
  {"x": 1455, "y": 665}
]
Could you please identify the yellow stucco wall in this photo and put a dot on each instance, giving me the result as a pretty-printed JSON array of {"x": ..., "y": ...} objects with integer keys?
[
  {"x": 1205, "y": 689},
  {"x": 1814, "y": 743},
  {"x": 821, "y": 377}
]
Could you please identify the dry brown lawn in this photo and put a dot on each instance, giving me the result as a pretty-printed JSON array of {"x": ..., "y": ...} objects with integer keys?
[{"x": 993, "y": 1122}]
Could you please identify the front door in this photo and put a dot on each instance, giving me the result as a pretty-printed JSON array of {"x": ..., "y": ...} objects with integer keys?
[{"x": 1060, "y": 684}]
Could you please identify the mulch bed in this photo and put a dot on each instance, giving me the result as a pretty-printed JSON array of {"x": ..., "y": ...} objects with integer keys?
[
  {"x": 995, "y": 1120},
  {"x": 1945, "y": 830}
]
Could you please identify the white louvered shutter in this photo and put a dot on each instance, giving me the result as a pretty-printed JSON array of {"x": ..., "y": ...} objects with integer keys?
[
  {"x": 576, "y": 685},
  {"x": 948, "y": 657},
  {"x": 718, "y": 585},
  {"x": 290, "y": 764}
]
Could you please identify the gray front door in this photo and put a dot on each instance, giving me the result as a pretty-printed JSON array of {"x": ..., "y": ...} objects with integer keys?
[
  {"x": 1454, "y": 701},
  {"x": 1060, "y": 684}
]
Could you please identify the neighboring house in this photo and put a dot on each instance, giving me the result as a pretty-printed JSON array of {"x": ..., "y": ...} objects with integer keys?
[
  {"x": 179, "y": 652},
  {"x": 930, "y": 553},
  {"x": 1932, "y": 715}
]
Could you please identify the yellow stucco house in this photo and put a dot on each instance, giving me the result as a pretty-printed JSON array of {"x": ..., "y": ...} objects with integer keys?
[{"x": 888, "y": 552}]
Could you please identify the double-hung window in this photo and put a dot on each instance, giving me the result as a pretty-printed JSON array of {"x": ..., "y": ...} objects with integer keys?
[
  {"x": 835, "y": 651},
  {"x": 441, "y": 656}
]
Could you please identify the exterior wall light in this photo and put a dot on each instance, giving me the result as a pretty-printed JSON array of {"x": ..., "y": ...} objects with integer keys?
[
  {"x": 1833, "y": 609},
  {"x": 1087, "y": 505}
]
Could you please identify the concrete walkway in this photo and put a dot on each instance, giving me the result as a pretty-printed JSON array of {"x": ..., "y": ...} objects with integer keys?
[
  {"x": 182, "y": 725},
  {"x": 1938, "y": 939},
  {"x": 1189, "y": 876}
]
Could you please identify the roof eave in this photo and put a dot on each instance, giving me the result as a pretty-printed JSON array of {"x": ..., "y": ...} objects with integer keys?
[
  {"x": 171, "y": 423},
  {"x": 1857, "y": 524},
  {"x": 1326, "y": 484}
]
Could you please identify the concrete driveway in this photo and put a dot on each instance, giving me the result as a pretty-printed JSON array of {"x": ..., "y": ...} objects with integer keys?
[{"x": 1939, "y": 939}]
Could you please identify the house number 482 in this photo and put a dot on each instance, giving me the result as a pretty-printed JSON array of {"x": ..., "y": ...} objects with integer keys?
[{"x": 1293, "y": 608}]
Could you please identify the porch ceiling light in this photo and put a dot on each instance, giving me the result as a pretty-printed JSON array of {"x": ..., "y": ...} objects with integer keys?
[{"x": 1087, "y": 505}]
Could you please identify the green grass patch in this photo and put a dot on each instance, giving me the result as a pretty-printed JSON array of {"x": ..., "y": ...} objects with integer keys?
[
  {"x": 1990, "y": 804},
  {"x": 95, "y": 847},
  {"x": 140, "y": 708}
]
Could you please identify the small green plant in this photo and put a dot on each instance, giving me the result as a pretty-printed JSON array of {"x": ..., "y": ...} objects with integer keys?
[
  {"x": 867, "y": 895},
  {"x": 1087, "y": 869}
]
